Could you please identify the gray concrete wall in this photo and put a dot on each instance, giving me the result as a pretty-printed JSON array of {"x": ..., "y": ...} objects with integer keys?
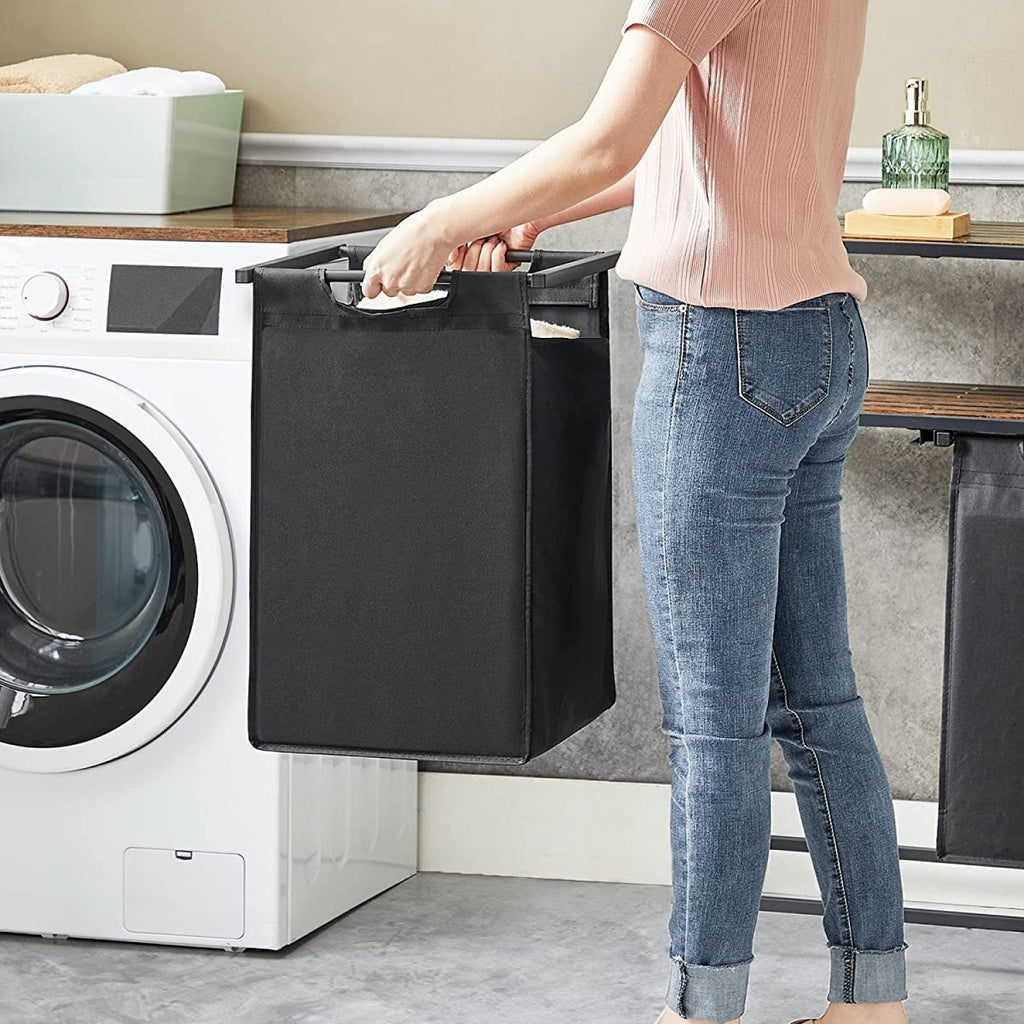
[{"x": 956, "y": 320}]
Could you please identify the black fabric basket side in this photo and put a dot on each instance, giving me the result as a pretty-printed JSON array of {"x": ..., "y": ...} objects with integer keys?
[
  {"x": 571, "y": 569},
  {"x": 981, "y": 766},
  {"x": 430, "y": 568},
  {"x": 571, "y": 585}
]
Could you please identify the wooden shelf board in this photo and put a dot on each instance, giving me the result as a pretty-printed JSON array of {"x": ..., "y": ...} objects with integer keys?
[
  {"x": 986, "y": 408},
  {"x": 987, "y": 239}
]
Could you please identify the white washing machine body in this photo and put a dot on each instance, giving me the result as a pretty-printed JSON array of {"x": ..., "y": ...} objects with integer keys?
[{"x": 134, "y": 806}]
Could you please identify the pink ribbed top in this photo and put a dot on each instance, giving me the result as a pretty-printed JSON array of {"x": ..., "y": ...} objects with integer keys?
[{"x": 735, "y": 199}]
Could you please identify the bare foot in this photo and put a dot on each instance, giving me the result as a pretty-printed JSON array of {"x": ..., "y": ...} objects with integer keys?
[
  {"x": 863, "y": 1013},
  {"x": 668, "y": 1017}
]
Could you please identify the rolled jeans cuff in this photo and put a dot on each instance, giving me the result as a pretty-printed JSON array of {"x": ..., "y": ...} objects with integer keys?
[
  {"x": 867, "y": 975},
  {"x": 707, "y": 993}
]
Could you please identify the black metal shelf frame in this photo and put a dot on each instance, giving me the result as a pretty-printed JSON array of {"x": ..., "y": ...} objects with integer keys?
[
  {"x": 933, "y": 249},
  {"x": 941, "y": 431},
  {"x": 913, "y": 915}
]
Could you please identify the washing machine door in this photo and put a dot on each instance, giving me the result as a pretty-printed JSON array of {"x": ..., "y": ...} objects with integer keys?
[{"x": 116, "y": 574}]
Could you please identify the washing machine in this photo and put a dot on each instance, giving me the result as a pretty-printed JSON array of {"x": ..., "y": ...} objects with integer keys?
[{"x": 133, "y": 805}]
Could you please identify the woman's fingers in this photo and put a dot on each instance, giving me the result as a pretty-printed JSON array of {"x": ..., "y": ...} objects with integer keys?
[
  {"x": 472, "y": 260},
  {"x": 482, "y": 254},
  {"x": 456, "y": 258},
  {"x": 487, "y": 251}
]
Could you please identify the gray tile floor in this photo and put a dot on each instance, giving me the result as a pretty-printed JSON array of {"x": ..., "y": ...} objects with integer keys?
[{"x": 468, "y": 949}]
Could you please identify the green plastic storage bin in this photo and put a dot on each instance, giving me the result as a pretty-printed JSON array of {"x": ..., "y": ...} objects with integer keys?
[{"x": 118, "y": 154}]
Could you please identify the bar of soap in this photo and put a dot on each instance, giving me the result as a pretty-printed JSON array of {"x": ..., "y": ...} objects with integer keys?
[{"x": 908, "y": 202}]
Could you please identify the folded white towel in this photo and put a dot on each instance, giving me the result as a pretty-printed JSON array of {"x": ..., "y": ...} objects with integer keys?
[
  {"x": 538, "y": 328},
  {"x": 153, "y": 82}
]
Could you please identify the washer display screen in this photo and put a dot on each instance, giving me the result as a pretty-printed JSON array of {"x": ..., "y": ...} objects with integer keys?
[{"x": 164, "y": 300}]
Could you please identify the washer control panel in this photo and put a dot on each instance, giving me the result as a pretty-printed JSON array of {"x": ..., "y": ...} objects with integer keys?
[
  {"x": 43, "y": 299},
  {"x": 148, "y": 298},
  {"x": 122, "y": 298}
]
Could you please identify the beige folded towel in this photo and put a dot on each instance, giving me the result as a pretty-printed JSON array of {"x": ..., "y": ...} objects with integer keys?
[
  {"x": 538, "y": 328},
  {"x": 59, "y": 73}
]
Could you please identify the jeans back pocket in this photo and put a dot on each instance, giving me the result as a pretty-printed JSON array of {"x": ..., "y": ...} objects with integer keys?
[
  {"x": 785, "y": 358},
  {"x": 649, "y": 298}
]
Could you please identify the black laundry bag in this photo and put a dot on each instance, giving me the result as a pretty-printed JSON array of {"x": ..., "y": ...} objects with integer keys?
[
  {"x": 981, "y": 774},
  {"x": 431, "y": 518}
]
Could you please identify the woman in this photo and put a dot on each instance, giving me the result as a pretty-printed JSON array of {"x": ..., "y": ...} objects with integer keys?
[{"x": 725, "y": 123}]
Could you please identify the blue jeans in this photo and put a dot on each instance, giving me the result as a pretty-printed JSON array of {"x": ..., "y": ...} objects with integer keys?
[{"x": 742, "y": 422}]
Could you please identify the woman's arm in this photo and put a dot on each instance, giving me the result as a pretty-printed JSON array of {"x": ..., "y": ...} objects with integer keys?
[
  {"x": 489, "y": 253},
  {"x": 612, "y": 198},
  {"x": 584, "y": 165},
  {"x": 577, "y": 164}
]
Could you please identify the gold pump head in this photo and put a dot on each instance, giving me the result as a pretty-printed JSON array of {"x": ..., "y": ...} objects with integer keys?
[{"x": 917, "y": 102}]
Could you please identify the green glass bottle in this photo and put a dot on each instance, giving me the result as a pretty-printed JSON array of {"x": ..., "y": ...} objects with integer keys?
[{"x": 915, "y": 155}]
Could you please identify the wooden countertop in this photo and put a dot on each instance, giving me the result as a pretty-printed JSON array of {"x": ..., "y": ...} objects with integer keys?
[
  {"x": 220, "y": 224},
  {"x": 295, "y": 224}
]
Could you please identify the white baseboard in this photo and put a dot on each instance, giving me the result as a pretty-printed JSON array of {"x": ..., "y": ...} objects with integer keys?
[
  {"x": 618, "y": 832},
  {"x": 966, "y": 166},
  {"x": 382, "y": 152}
]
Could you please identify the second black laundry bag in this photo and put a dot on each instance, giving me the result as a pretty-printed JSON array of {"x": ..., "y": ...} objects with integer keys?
[
  {"x": 981, "y": 761},
  {"x": 431, "y": 525}
]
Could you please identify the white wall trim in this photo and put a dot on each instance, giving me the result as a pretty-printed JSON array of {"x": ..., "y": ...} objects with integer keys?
[
  {"x": 380, "y": 152},
  {"x": 618, "y": 832},
  {"x": 383, "y": 152},
  {"x": 966, "y": 166}
]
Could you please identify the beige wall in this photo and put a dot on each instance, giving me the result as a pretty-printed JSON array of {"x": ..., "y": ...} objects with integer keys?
[{"x": 484, "y": 69}]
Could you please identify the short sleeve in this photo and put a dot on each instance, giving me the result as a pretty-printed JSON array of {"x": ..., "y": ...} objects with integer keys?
[{"x": 694, "y": 27}]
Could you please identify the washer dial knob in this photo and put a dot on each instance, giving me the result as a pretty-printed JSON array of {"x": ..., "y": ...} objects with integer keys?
[{"x": 45, "y": 296}]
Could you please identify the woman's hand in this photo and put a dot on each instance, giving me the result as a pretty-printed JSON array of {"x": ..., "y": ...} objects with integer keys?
[
  {"x": 408, "y": 258},
  {"x": 489, "y": 253},
  {"x": 412, "y": 254}
]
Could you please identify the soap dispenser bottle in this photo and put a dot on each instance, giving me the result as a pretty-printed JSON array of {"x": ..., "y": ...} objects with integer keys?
[{"x": 915, "y": 155}]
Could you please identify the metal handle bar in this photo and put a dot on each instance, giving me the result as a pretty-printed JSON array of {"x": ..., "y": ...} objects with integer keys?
[
  {"x": 332, "y": 274},
  {"x": 561, "y": 274},
  {"x": 244, "y": 275}
]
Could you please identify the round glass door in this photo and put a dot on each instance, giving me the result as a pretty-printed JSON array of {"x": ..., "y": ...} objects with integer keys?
[
  {"x": 108, "y": 630},
  {"x": 85, "y": 556}
]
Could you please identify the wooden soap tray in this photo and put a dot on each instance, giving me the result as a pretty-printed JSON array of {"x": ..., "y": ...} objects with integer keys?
[{"x": 862, "y": 224}]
